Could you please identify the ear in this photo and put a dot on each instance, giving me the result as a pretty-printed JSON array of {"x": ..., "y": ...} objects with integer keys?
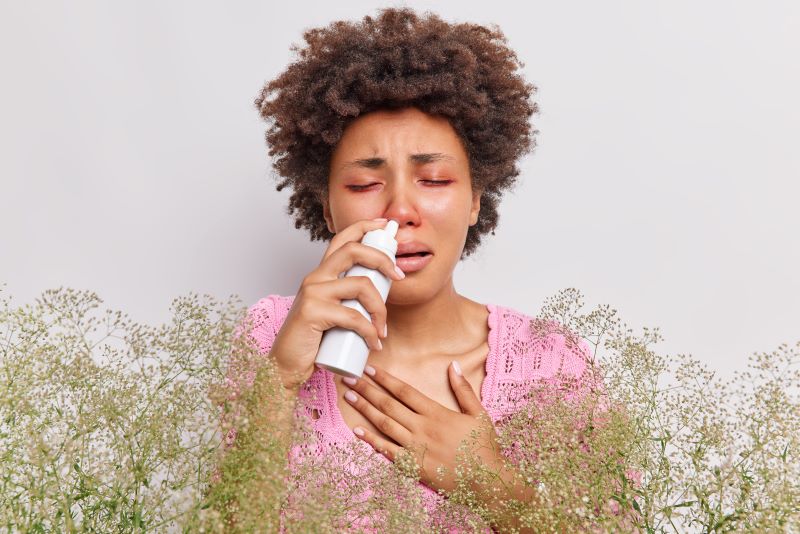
[
  {"x": 326, "y": 212},
  {"x": 476, "y": 206}
]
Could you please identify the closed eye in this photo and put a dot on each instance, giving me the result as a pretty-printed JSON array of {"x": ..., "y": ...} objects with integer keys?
[
  {"x": 359, "y": 187},
  {"x": 436, "y": 183}
]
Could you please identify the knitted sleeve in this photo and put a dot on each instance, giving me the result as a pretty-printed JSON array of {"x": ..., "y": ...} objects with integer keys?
[{"x": 264, "y": 319}]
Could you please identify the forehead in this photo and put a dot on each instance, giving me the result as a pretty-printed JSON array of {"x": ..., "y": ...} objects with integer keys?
[{"x": 404, "y": 131}]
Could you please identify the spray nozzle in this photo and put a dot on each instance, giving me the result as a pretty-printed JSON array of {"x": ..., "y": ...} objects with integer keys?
[
  {"x": 391, "y": 228},
  {"x": 383, "y": 238}
]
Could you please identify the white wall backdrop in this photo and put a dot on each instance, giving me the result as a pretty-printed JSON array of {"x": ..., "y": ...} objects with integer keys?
[{"x": 132, "y": 160}]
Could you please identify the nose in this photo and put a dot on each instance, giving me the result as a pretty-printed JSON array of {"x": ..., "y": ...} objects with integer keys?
[{"x": 401, "y": 202}]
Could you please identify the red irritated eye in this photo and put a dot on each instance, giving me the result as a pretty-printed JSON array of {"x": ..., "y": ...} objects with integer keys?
[
  {"x": 433, "y": 183},
  {"x": 359, "y": 187}
]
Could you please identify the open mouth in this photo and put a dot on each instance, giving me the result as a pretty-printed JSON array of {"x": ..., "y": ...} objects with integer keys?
[
  {"x": 413, "y": 261},
  {"x": 412, "y": 254}
]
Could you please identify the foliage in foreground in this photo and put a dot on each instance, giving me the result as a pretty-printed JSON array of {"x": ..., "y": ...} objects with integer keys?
[{"x": 110, "y": 425}]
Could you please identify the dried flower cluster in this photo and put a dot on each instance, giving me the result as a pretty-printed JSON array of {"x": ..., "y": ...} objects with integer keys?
[{"x": 109, "y": 425}]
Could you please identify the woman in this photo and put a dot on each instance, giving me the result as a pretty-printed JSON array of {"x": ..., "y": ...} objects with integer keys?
[{"x": 420, "y": 121}]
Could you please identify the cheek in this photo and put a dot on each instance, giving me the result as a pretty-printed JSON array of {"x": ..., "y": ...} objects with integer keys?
[
  {"x": 347, "y": 209},
  {"x": 447, "y": 210}
]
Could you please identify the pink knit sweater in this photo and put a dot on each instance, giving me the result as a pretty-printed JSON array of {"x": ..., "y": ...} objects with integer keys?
[{"x": 518, "y": 355}]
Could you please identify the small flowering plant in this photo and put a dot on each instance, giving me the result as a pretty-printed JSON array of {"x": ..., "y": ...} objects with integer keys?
[{"x": 111, "y": 425}]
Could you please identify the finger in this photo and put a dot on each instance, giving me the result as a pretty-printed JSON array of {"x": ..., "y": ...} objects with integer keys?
[
  {"x": 467, "y": 399},
  {"x": 328, "y": 314},
  {"x": 383, "y": 421},
  {"x": 363, "y": 290},
  {"x": 354, "y": 232},
  {"x": 384, "y": 403},
  {"x": 383, "y": 446},
  {"x": 407, "y": 394},
  {"x": 352, "y": 253},
  {"x": 368, "y": 379}
]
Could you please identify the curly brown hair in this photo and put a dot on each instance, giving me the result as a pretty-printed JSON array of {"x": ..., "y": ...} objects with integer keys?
[{"x": 462, "y": 71}]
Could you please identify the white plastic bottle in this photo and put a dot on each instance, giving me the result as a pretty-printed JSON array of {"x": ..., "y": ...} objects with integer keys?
[{"x": 344, "y": 351}]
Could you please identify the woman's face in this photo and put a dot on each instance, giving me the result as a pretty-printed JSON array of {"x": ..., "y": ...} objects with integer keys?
[{"x": 408, "y": 166}]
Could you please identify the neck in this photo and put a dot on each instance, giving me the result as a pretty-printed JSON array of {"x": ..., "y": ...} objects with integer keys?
[{"x": 436, "y": 326}]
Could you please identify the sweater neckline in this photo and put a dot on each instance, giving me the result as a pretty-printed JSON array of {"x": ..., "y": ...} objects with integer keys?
[{"x": 487, "y": 387}]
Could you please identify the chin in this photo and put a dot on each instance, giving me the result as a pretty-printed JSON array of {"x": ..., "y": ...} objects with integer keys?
[{"x": 410, "y": 291}]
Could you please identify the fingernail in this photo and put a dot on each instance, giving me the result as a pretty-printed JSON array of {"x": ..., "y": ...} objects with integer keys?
[
  {"x": 380, "y": 219},
  {"x": 400, "y": 272},
  {"x": 349, "y": 380},
  {"x": 457, "y": 368},
  {"x": 358, "y": 431},
  {"x": 385, "y": 330},
  {"x": 352, "y": 397},
  {"x": 380, "y": 345},
  {"x": 369, "y": 370}
]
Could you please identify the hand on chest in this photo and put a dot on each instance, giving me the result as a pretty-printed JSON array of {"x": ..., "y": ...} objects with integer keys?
[{"x": 430, "y": 380}]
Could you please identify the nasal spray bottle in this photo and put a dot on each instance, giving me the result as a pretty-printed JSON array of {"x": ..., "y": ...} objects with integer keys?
[{"x": 344, "y": 351}]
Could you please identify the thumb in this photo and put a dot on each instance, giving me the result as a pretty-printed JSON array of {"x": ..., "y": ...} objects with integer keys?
[{"x": 467, "y": 399}]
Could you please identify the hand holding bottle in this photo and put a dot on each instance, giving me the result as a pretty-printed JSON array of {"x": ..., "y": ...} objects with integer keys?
[
  {"x": 318, "y": 306},
  {"x": 344, "y": 351}
]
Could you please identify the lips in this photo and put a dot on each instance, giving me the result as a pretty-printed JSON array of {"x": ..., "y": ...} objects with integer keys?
[
  {"x": 411, "y": 247},
  {"x": 413, "y": 262},
  {"x": 412, "y": 256}
]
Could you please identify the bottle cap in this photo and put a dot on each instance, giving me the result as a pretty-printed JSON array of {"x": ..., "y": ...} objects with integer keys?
[{"x": 383, "y": 238}]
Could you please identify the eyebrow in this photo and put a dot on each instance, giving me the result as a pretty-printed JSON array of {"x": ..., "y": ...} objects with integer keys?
[{"x": 418, "y": 159}]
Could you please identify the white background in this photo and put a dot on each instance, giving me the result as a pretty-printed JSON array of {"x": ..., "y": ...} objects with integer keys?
[{"x": 665, "y": 184}]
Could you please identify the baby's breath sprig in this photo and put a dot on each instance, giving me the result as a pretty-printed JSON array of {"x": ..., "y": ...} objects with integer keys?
[{"x": 111, "y": 425}]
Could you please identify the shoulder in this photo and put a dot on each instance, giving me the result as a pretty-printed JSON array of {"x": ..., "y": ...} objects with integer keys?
[
  {"x": 261, "y": 322},
  {"x": 534, "y": 348},
  {"x": 271, "y": 304},
  {"x": 266, "y": 316}
]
